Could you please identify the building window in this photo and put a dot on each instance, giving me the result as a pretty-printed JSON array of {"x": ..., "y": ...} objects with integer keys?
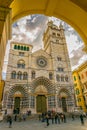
[
  {"x": 25, "y": 76},
  {"x": 59, "y": 58},
  {"x": 57, "y": 77},
  {"x": 54, "y": 34},
  {"x": 77, "y": 91},
  {"x": 32, "y": 101},
  {"x": 19, "y": 75},
  {"x": 75, "y": 84},
  {"x": 51, "y": 102},
  {"x": 62, "y": 78},
  {"x": 22, "y": 47},
  {"x": 27, "y": 48},
  {"x": 19, "y": 47},
  {"x": 15, "y": 47},
  {"x": 21, "y": 53},
  {"x": 60, "y": 69},
  {"x": 74, "y": 78},
  {"x": 79, "y": 99},
  {"x": 21, "y": 64},
  {"x": 66, "y": 78},
  {"x": 50, "y": 76},
  {"x": 13, "y": 75},
  {"x": 58, "y": 34},
  {"x": 82, "y": 76},
  {"x": 33, "y": 75},
  {"x": 79, "y": 77}
]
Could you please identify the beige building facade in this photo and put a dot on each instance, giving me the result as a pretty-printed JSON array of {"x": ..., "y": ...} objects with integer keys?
[{"x": 39, "y": 81}]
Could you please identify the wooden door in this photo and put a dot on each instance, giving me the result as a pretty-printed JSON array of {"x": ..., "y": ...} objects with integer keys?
[{"x": 41, "y": 104}]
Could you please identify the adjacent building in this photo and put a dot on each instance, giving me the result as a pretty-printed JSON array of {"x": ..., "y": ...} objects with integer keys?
[
  {"x": 80, "y": 86},
  {"x": 39, "y": 81}
]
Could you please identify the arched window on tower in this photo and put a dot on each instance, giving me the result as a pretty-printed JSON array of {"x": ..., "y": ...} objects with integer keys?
[
  {"x": 50, "y": 76},
  {"x": 57, "y": 77},
  {"x": 33, "y": 75},
  {"x": 66, "y": 78},
  {"x": 62, "y": 78},
  {"x": 19, "y": 75},
  {"x": 25, "y": 76},
  {"x": 13, "y": 75},
  {"x": 21, "y": 64}
]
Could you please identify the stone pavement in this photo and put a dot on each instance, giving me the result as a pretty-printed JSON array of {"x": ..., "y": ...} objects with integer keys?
[{"x": 38, "y": 125}]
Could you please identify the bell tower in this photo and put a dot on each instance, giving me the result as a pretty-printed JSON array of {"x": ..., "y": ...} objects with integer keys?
[{"x": 55, "y": 45}]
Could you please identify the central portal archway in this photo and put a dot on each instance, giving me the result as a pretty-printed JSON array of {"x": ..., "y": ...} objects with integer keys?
[{"x": 41, "y": 105}]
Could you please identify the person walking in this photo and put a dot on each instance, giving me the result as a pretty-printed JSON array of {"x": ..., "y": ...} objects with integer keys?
[
  {"x": 52, "y": 117},
  {"x": 10, "y": 121},
  {"x": 47, "y": 119},
  {"x": 73, "y": 117},
  {"x": 82, "y": 119},
  {"x": 56, "y": 117},
  {"x": 15, "y": 117},
  {"x": 64, "y": 116}
]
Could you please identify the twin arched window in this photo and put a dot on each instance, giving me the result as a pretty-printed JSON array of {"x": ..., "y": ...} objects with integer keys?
[
  {"x": 13, "y": 75},
  {"x": 66, "y": 78},
  {"x": 21, "y": 64},
  {"x": 57, "y": 77},
  {"x": 33, "y": 75},
  {"x": 19, "y": 75},
  {"x": 50, "y": 76},
  {"x": 25, "y": 76},
  {"x": 62, "y": 78}
]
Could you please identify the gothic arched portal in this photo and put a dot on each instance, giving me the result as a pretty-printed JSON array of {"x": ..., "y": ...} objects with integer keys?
[{"x": 17, "y": 99}]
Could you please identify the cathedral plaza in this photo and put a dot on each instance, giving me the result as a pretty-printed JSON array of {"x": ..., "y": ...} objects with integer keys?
[{"x": 37, "y": 125}]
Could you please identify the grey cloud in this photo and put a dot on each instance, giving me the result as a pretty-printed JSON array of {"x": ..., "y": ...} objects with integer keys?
[
  {"x": 32, "y": 22},
  {"x": 78, "y": 54}
]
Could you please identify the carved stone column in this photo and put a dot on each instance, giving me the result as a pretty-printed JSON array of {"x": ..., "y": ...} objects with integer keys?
[{"x": 5, "y": 33}]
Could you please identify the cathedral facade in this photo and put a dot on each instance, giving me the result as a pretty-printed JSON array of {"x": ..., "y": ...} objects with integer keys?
[{"x": 39, "y": 81}]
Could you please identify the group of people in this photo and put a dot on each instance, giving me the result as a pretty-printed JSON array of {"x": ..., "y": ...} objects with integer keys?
[
  {"x": 55, "y": 117},
  {"x": 16, "y": 117}
]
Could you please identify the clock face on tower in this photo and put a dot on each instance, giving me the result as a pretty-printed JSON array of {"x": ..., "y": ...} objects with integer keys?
[{"x": 41, "y": 61}]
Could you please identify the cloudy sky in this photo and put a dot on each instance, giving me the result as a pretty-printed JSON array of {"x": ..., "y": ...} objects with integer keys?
[{"x": 30, "y": 30}]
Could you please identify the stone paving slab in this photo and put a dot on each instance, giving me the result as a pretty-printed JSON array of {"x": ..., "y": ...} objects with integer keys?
[{"x": 37, "y": 125}]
